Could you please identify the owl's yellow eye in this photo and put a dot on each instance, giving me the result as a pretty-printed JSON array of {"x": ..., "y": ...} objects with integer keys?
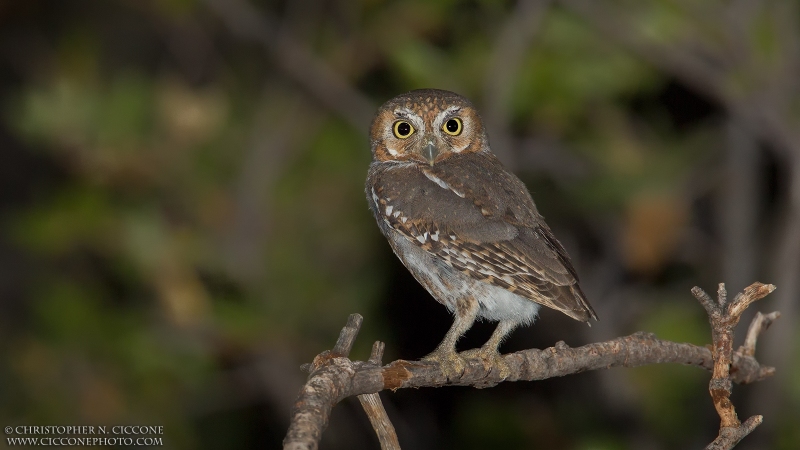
[
  {"x": 453, "y": 127},
  {"x": 402, "y": 129}
]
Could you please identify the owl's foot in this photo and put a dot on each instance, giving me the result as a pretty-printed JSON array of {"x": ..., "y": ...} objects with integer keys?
[
  {"x": 491, "y": 359},
  {"x": 450, "y": 362}
]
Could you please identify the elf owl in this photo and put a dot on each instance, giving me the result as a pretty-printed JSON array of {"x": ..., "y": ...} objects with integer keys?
[{"x": 465, "y": 228}]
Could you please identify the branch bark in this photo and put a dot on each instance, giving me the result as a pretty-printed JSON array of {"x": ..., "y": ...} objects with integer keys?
[
  {"x": 723, "y": 317},
  {"x": 374, "y": 408},
  {"x": 334, "y": 377}
]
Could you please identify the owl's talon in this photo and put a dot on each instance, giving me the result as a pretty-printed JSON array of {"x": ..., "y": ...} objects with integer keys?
[
  {"x": 490, "y": 358},
  {"x": 451, "y": 363}
]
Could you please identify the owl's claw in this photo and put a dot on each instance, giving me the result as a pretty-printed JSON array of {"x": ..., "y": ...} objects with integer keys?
[
  {"x": 490, "y": 358},
  {"x": 450, "y": 362}
]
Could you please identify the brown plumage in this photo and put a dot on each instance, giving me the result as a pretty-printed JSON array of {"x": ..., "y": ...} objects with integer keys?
[{"x": 466, "y": 228}]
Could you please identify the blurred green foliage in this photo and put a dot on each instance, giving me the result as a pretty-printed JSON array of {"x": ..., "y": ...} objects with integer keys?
[{"x": 207, "y": 212}]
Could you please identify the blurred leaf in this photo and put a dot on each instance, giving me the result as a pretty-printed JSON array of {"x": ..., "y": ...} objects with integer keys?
[{"x": 78, "y": 217}]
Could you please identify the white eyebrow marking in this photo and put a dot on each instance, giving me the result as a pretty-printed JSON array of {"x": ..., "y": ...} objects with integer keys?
[
  {"x": 447, "y": 113},
  {"x": 403, "y": 113},
  {"x": 449, "y": 110}
]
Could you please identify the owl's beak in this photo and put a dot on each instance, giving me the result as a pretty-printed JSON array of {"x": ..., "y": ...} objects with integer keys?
[{"x": 430, "y": 152}]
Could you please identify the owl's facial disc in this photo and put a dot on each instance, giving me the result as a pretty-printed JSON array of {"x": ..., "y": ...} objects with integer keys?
[{"x": 426, "y": 127}]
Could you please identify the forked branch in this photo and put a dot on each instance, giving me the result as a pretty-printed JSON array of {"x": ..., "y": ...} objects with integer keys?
[
  {"x": 724, "y": 315},
  {"x": 333, "y": 376}
]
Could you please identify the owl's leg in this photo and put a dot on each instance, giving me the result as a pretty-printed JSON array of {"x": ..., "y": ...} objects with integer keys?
[
  {"x": 489, "y": 353},
  {"x": 503, "y": 329},
  {"x": 451, "y": 363}
]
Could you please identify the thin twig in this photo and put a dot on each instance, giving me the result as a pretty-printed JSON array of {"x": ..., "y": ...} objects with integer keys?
[
  {"x": 330, "y": 373},
  {"x": 705, "y": 300},
  {"x": 374, "y": 407},
  {"x": 759, "y": 325},
  {"x": 744, "y": 299},
  {"x": 730, "y": 436},
  {"x": 380, "y": 421},
  {"x": 348, "y": 336},
  {"x": 376, "y": 357}
]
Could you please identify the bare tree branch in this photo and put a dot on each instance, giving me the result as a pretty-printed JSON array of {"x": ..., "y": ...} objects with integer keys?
[
  {"x": 380, "y": 421},
  {"x": 729, "y": 437},
  {"x": 347, "y": 337},
  {"x": 759, "y": 325},
  {"x": 723, "y": 317},
  {"x": 334, "y": 377}
]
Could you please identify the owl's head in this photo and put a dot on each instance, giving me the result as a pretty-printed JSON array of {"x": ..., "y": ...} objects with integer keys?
[{"x": 426, "y": 126}]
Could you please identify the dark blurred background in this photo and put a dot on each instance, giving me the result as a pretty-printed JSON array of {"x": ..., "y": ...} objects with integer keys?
[{"x": 183, "y": 224}]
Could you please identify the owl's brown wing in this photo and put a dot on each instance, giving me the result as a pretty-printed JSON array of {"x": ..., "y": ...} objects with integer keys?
[{"x": 480, "y": 219}]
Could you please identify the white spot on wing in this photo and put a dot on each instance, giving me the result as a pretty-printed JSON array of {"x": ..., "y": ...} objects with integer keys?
[
  {"x": 436, "y": 179},
  {"x": 441, "y": 183},
  {"x": 389, "y": 210},
  {"x": 375, "y": 198}
]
